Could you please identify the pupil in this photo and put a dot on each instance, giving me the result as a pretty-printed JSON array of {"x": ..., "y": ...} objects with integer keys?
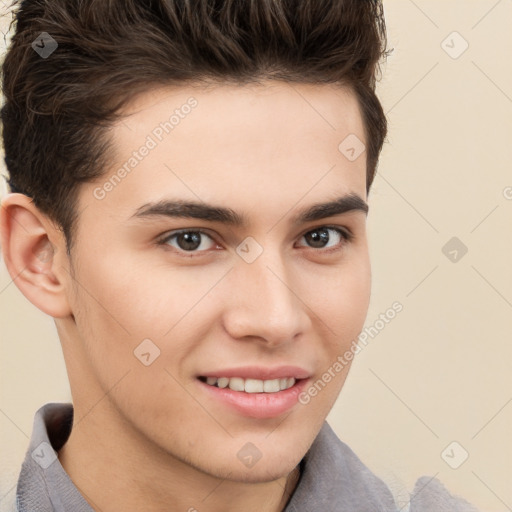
[
  {"x": 190, "y": 240},
  {"x": 318, "y": 237}
]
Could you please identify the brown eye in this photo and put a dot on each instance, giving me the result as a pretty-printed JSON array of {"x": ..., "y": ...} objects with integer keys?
[
  {"x": 189, "y": 241},
  {"x": 318, "y": 238},
  {"x": 325, "y": 237}
]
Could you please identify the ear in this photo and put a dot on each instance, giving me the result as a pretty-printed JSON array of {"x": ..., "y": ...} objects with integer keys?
[{"x": 34, "y": 252}]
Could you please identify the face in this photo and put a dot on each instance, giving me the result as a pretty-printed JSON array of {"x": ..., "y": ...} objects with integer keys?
[{"x": 201, "y": 325}]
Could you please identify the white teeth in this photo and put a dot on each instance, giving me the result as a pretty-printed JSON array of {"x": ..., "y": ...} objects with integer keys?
[
  {"x": 271, "y": 386},
  {"x": 252, "y": 385},
  {"x": 223, "y": 382},
  {"x": 236, "y": 384}
]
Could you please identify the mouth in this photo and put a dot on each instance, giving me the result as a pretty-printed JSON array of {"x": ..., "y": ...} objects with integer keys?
[
  {"x": 255, "y": 392},
  {"x": 250, "y": 385}
]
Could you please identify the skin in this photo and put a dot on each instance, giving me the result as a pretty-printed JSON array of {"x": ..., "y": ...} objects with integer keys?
[{"x": 266, "y": 151}]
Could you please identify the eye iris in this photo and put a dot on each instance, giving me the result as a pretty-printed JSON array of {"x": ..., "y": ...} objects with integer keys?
[
  {"x": 190, "y": 240},
  {"x": 318, "y": 237}
]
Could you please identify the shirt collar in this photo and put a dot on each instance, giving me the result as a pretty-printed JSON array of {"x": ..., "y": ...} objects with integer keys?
[{"x": 43, "y": 484}]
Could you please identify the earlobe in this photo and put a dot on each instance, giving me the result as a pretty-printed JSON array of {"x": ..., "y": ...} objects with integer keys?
[{"x": 32, "y": 249}]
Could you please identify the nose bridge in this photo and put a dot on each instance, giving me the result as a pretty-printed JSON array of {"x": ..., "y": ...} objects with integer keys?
[{"x": 265, "y": 303}]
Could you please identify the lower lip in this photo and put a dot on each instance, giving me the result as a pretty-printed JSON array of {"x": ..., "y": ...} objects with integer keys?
[{"x": 257, "y": 405}]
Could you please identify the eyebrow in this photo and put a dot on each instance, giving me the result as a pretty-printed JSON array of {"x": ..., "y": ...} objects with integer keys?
[{"x": 202, "y": 211}]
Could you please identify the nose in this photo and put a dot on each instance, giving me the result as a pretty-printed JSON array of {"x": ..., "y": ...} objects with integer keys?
[{"x": 265, "y": 302}]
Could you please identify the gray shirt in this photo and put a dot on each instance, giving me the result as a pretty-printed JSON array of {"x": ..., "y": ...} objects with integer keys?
[{"x": 333, "y": 479}]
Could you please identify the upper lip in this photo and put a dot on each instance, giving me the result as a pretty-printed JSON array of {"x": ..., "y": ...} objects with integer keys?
[{"x": 260, "y": 372}]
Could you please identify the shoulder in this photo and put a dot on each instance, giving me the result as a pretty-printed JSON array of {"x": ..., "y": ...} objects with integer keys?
[
  {"x": 430, "y": 494},
  {"x": 334, "y": 478},
  {"x": 43, "y": 485}
]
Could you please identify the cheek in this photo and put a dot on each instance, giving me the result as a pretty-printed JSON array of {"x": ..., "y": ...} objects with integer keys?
[
  {"x": 343, "y": 300},
  {"x": 132, "y": 301},
  {"x": 119, "y": 310},
  {"x": 115, "y": 311},
  {"x": 344, "y": 308}
]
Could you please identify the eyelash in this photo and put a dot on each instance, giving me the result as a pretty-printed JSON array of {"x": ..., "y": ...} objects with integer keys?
[{"x": 344, "y": 233}]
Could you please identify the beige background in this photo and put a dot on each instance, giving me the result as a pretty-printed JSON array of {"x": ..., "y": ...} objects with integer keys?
[{"x": 440, "y": 371}]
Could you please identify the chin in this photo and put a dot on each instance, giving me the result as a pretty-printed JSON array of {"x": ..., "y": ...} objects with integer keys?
[
  {"x": 262, "y": 474},
  {"x": 273, "y": 468}
]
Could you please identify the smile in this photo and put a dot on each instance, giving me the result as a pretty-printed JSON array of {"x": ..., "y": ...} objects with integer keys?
[
  {"x": 250, "y": 397},
  {"x": 250, "y": 385}
]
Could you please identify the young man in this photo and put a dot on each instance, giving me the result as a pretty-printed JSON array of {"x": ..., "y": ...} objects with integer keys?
[{"x": 189, "y": 197}]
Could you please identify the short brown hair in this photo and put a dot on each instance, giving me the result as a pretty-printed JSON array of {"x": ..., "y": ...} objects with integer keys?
[{"x": 57, "y": 109}]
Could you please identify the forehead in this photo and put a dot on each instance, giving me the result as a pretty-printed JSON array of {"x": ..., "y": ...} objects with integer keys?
[{"x": 258, "y": 147}]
